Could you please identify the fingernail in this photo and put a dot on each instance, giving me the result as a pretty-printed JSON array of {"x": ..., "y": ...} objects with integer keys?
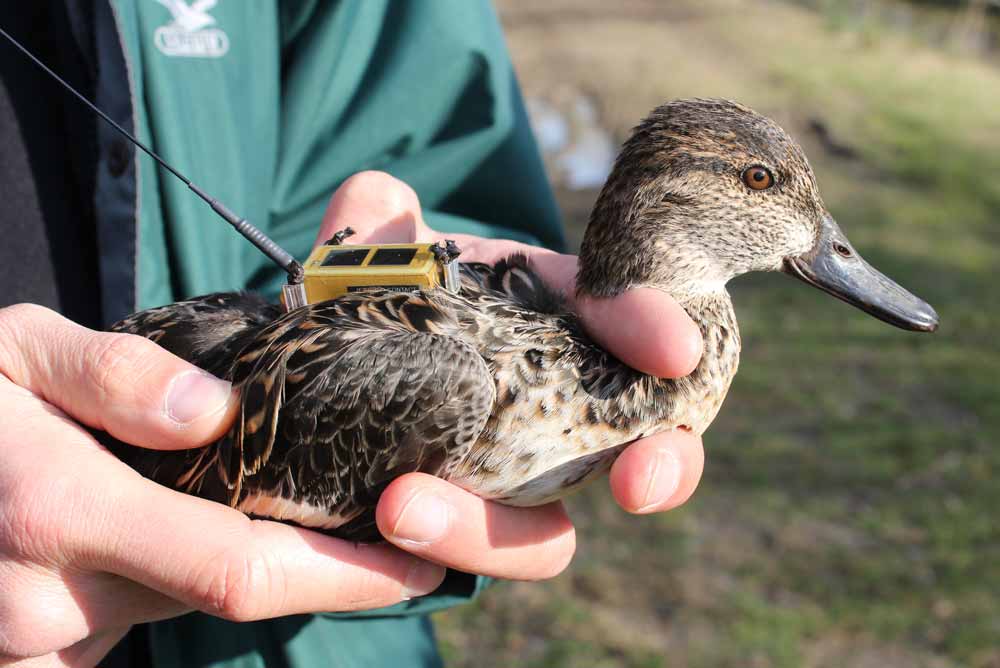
[
  {"x": 196, "y": 394},
  {"x": 423, "y": 578},
  {"x": 664, "y": 479},
  {"x": 424, "y": 519}
]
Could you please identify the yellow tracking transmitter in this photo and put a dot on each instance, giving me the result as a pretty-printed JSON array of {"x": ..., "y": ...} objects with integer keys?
[{"x": 333, "y": 269}]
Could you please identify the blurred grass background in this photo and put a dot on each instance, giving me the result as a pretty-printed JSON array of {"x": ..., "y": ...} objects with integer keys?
[{"x": 849, "y": 514}]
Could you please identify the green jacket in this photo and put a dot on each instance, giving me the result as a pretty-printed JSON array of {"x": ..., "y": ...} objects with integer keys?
[{"x": 269, "y": 106}]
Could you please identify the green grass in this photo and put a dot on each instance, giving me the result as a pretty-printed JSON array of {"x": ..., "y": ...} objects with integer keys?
[{"x": 849, "y": 511}]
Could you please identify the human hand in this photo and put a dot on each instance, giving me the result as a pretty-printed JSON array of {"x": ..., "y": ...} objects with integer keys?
[
  {"x": 644, "y": 328},
  {"x": 88, "y": 547}
]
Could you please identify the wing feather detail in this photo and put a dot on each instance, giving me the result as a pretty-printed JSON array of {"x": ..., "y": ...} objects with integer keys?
[{"x": 337, "y": 400}]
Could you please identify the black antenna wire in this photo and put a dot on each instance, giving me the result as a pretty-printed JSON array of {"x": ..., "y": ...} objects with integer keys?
[
  {"x": 90, "y": 104},
  {"x": 276, "y": 253}
]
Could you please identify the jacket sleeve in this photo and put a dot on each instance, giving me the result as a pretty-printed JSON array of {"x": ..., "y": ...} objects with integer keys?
[{"x": 426, "y": 92}]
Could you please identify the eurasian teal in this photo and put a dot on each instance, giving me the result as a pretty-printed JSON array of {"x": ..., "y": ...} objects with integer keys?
[{"x": 498, "y": 388}]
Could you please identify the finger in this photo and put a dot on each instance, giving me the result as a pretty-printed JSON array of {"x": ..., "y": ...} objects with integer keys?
[
  {"x": 90, "y": 651},
  {"x": 120, "y": 383},
  {"x": 646, "y": 329},
  {"x": 107, "y": 601},
  {"x": 378, "y": 207},
  {"x": 43, "y": 609},
  {"x": 658, "y": 473},
  {"x": 215, "y": 559},
  {"x": 86, "y": 652},
  {"x": 445, "y": 524},
  {"x": 42, "y": 592}
]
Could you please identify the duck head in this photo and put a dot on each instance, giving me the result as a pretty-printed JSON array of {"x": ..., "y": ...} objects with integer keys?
[{"x": 706, "y": 190}]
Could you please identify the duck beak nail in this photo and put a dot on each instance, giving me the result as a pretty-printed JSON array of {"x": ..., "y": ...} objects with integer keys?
[{"x": 836, "y": 268}]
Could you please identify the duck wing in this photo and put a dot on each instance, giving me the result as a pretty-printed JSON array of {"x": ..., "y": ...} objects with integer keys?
[
  {"x": 208, "y": 331},
  {"x": 337, "y": 400}
]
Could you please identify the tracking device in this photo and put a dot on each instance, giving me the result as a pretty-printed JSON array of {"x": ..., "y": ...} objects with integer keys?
[{"x": 331, "y": 270}]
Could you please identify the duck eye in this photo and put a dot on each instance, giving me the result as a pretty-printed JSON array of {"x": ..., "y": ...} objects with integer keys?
[
  {"x": 841, "y": 249},
  {"x": 758, "y": 178}
]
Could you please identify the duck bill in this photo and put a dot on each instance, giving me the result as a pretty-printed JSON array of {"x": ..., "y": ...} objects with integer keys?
[{"x": 835, "y": 267}]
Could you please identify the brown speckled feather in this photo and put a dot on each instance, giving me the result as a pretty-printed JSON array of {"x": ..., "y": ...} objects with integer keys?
[{"x": 337, "y": 399}]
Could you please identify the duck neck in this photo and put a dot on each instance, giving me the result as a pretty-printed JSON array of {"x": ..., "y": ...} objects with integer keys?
[
  {"x": 713, "y": 313},
  {"x": 635, "y": 404},
  {"x": 639, "y": 237},
  {"x": 636, "y": 240},
  {"x": 707, "y": 385},
  {"x": 615, "y": 254}
]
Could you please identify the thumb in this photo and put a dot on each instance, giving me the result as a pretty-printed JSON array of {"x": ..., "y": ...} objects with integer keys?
[
  {"x": 123, "y": 384},
  {"x": 380, "y": 209}
]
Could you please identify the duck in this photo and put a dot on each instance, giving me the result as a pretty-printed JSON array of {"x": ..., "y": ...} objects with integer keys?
[{"x": 497, "y": 387}]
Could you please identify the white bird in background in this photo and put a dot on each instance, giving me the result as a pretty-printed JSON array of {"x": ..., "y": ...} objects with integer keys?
[{"x": 190, "y": 18}]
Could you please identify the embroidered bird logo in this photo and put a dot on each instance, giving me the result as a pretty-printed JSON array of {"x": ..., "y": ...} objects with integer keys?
[{"x": 193, "y": 17}]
